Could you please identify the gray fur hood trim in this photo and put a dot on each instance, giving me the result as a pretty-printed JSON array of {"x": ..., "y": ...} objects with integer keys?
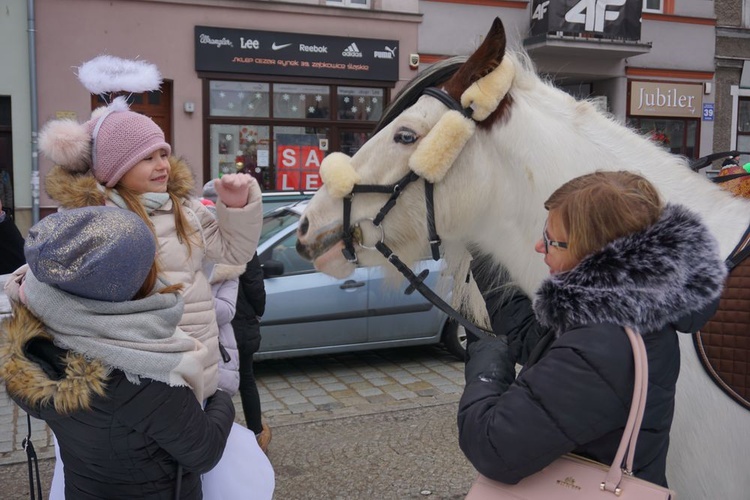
[{"x": 645, "y": 280}]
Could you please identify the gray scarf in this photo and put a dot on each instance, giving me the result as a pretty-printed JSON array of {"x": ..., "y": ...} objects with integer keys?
[
  {"x": 139, "y": 337},
  {"x": 151, "y": 201}
]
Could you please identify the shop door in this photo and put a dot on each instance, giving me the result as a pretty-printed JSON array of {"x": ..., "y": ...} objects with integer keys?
[
  {"x": 6, "y": 156},
  {"x": 157, "y": 105}
]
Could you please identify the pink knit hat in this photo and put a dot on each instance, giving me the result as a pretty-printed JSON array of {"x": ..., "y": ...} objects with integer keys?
[{"x": 120, "y": 140}]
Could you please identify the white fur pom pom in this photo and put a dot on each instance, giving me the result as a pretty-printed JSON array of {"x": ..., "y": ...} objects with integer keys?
[
  {"x": 67, "y": 143},
  {"x": 105, "y": 74},
  {"x": 338, "y": 175}
]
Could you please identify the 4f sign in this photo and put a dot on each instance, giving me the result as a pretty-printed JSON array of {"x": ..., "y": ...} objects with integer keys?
[
  {"x": 540, "y": 10},
  {"x": 593, "y": 13}
]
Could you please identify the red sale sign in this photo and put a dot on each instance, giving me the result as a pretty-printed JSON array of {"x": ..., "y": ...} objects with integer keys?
[
  {"x": 298, "y": 157},
  {"x": 297, "y": 168}
]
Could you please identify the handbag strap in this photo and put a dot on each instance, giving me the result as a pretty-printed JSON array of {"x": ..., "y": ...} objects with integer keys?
[
  {"x": 33, "y": 463},
  {"x": 623, "y": 461}
]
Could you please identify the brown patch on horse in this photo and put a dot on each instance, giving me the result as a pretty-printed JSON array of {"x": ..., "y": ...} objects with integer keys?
[{"x": 481, "y": 63}]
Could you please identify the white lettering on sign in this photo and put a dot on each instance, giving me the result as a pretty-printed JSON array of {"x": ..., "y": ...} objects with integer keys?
[
  {"x": 593, "y": 13},
  {"x": 668, "y": 99},
  {"x": 207, "y": 40},
  {"x": 540, "y": 10},
  {"x": 388, "y": 53},
  {"x": 321, "y": 49},
  {"x": 289, "y": 158},
  {"x": 249, "y": 43}
]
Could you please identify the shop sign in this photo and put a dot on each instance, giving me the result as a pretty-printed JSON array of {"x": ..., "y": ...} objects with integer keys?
[
  {"x": 295, "y": 54},
  {"x": 612, "y": 19},
  {"x": 666, "y": 99},
  {"x": 298, "y": 167}
]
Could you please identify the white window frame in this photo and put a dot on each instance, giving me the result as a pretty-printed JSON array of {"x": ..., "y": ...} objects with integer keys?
[
  {"x": 736, "y": 93},
  {"x": 349, "y": 4},
  {"x": 746, "y": 13},
  {"x": 658, "y": 10}
]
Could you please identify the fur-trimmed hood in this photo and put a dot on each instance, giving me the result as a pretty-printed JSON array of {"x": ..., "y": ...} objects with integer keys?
[
  {"x": 27, "y": 380},
  {"x": 76, "y": 190},
  {"x": 645, "y": 280},
  {"x": 223, "y": 272}
]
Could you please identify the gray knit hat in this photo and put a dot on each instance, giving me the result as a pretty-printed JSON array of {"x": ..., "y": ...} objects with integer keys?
[
  {"x": 100, "y": 253},
  {"x": 209, "y": 191}
]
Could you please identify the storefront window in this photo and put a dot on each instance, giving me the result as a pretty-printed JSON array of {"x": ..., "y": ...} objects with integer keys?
[
  {"x": 280, "y": 132},
  {"x": 299, "y": 153},
  {"x": 300, "y": 101},
  {"x": 357, "y": 103},
  {"x": 240, "y": 148},
  {"x": 248, "y": 99},
  {"x": 676, "y": 135}
]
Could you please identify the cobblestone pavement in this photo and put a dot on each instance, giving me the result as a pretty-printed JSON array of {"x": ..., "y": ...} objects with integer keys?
[{"x": 377, "y": 424}]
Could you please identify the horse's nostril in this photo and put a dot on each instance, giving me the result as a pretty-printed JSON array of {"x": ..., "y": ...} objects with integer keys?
[{"x": 304, "y": 226}]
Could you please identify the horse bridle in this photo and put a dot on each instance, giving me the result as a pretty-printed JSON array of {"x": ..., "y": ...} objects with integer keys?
[{"x": 416, "y": 282}]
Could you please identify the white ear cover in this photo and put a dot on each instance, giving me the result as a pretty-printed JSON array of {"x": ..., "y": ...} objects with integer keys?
[
  {"x": 484, "y": 95},
  {"x": 438, "y": 150}
]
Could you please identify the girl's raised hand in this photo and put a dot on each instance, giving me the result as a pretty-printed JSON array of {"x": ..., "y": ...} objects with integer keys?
[{"x": 234, "y": 190}]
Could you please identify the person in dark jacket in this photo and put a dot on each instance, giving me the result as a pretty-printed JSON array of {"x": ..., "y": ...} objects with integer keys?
[
  {"x": 11, "y": 244},
  {"x": 93, "y": 349},
  {"x": 617, "y": 257},
  {"x": 251, "y": 304}
]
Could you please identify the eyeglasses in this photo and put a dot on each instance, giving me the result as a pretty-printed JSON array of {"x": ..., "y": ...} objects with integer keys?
[{"x": 550, "y": 243}]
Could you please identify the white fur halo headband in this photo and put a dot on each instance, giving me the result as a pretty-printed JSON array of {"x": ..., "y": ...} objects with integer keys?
[{"x": 105, "y": 74}]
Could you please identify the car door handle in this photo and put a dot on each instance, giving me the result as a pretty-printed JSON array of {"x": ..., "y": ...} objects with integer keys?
[{"x": 351, "y": 284}]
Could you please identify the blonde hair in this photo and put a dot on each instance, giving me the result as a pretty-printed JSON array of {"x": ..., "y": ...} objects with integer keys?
[
  {"x": 150, "y": 282},
  {"x": 133, "y": 201},
  {"x": 596, "y": 209}
]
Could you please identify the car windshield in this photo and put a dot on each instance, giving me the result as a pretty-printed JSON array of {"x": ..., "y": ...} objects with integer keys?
[{"x": 275, "y": 222}]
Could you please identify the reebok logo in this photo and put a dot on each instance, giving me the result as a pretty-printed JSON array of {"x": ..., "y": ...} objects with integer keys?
[
  {"x": 279, "y": 47},
  {"x": 321, "y": 49},
  {"x": 352, "y": 51}
]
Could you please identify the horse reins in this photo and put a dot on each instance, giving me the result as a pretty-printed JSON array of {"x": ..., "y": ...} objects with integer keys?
[{"x": 416, "y": 282}]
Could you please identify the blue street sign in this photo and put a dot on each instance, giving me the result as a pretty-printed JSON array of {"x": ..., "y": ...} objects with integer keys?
[{"x": 708, "y": 111}]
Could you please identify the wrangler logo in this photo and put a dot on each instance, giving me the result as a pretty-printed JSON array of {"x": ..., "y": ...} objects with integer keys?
[{"x": 568, "y": 482}]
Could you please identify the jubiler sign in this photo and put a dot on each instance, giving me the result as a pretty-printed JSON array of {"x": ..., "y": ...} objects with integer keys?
[
  {"x": 666, "y": 99},
  {"x": 293, "y": 54},
  {"x": 616, "y": 19}
]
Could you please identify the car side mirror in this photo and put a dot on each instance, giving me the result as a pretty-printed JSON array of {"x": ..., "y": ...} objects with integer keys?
[{"x": 272, "y": 268}]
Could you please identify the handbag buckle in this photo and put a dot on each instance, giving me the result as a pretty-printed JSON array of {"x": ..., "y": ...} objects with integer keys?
[{"x": 617, "y": 492}]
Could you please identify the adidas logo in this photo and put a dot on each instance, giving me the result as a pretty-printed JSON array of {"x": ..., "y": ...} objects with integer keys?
[{"x": 352, "y": 51}]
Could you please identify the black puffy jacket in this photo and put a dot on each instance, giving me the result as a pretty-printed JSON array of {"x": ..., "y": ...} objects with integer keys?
[
  {"x": 118, "y": 440},
  {"x": 574, "y": 393}
]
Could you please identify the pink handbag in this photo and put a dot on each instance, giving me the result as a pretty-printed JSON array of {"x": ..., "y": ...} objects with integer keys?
[{"x": 575, "y": 478}]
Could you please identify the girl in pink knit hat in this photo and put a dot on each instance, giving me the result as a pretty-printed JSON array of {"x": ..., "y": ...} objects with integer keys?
[{"x": 121, "y": 158}]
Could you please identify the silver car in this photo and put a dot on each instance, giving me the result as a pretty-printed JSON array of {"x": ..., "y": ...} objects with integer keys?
[{"x": 308, "y": 312}]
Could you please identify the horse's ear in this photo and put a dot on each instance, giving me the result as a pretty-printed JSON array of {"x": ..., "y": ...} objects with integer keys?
[{"x": 482, "y": 62}]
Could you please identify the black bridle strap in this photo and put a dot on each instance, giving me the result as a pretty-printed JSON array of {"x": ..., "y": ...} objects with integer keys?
[
  {"x": 431, "y": 228},
  {"x": 394, "y": 189},
  {"x": 417, "y": 283},
  {"x": 449, "y": 102}
]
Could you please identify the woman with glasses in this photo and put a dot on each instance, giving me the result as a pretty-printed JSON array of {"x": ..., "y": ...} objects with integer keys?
[{"x": 617, "y": 257}]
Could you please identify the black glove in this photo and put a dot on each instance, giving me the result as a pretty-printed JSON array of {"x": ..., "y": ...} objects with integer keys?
[{"x": 489, "y": 359}]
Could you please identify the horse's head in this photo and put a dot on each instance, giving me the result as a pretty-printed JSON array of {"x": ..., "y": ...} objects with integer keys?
[{"x": 417, "y": 146}]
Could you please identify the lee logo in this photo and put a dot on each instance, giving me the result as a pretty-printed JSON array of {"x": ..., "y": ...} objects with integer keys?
[
  {"x": 249, "y": 43},
  {"x": 593, "y": 13}
]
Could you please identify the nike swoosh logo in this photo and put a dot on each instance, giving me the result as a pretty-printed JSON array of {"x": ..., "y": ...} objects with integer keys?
[{"x": 279, "y": 47}]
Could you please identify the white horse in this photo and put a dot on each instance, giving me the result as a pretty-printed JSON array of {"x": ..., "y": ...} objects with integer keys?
[{"x": 491, "y": 174}]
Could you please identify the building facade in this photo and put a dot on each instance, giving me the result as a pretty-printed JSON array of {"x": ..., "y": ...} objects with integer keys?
[
  {"x": 262, "y": 87},
  {"x": 733, "y": 76},
  {"x": 269, "y": 87},
  {"x": 649, "y": 63}
]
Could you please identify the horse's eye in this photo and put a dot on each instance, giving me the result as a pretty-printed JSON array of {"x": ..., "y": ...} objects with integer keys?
[{"x": 405, "y": 136}]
